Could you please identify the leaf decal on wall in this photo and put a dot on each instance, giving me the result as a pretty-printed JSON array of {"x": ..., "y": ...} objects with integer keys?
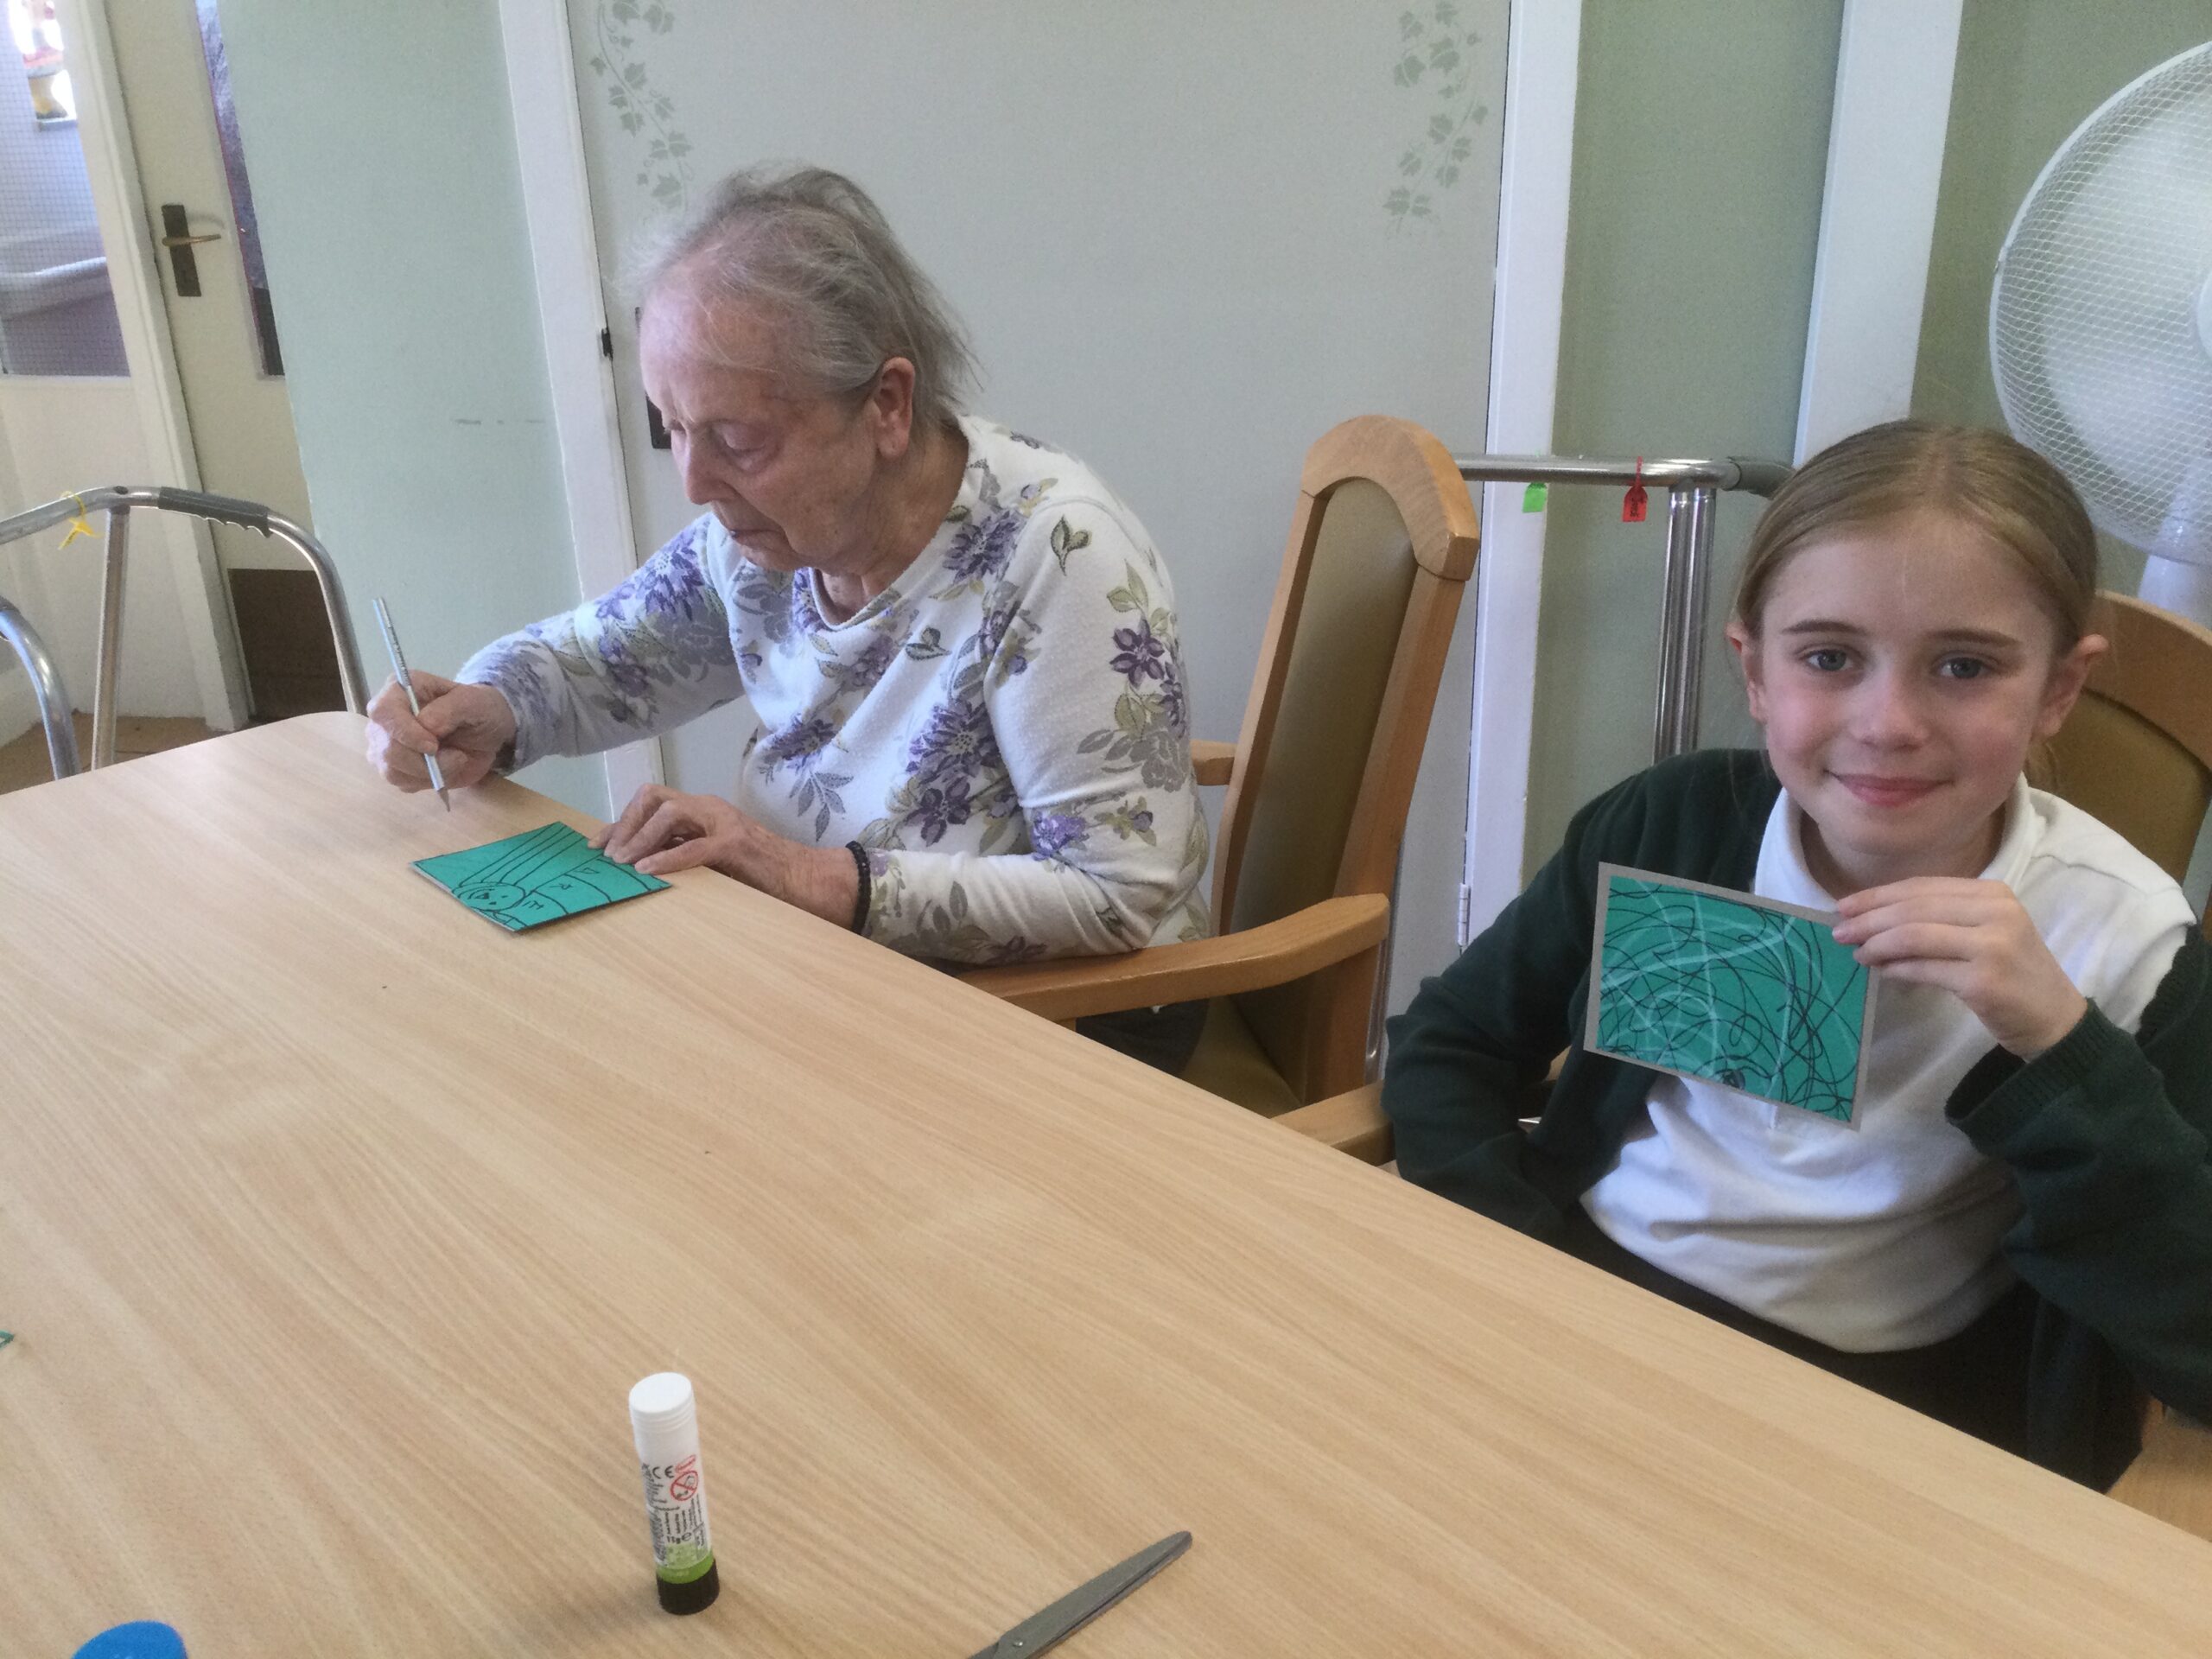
[
  {"x": 644, "y": 112},
  {"x": 1433, "y": 55}
]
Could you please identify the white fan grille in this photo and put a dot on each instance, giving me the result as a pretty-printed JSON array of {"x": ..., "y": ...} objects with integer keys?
[{"x": 2100, "y": 356}]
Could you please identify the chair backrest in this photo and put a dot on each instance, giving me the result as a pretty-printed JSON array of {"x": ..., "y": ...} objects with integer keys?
[
  {"x": 1382, "y": 545},
  {"x": 2137, "y": 750}
]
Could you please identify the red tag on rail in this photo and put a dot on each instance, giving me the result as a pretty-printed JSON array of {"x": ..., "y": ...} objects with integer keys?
[{"x": 1635, "y": 503}]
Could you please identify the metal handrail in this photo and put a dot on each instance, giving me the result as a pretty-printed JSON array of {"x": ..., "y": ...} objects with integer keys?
[
  {"x": 1693, "y": 488},
  {"x": 117, "y": 500},
  {"x": 53, "y": 707}
]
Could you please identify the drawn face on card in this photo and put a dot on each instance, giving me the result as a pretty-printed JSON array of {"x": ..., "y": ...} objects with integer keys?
[{"x": 1728, "y": 987}]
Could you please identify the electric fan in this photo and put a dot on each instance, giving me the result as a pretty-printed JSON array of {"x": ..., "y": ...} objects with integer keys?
[{"x": 2100, "y": 325}]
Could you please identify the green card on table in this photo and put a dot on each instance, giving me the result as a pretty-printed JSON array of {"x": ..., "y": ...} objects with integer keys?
[
  {"x": 1750, "y": 993},
  {"x": 527, "y": 880}
]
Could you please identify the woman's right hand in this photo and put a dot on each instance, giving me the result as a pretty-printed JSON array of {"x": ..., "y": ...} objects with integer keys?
[{"x": 464, "y": 726}]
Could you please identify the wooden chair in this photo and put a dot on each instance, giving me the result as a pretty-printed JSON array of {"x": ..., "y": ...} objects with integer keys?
[
  {"x": 2137, "y": 753},
  {"x": 1381, "y": 545}
]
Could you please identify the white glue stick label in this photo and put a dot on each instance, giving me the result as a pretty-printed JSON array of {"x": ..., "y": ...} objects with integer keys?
[
  {"x": 663, "y": 1419},
  {"x": 676, "y": 1504}
]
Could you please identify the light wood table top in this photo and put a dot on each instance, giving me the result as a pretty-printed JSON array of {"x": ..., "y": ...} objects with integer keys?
[{"x": 335, "y": 1223}]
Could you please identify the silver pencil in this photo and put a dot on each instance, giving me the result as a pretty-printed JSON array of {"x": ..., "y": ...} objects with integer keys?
[{"x": 407, "y": 684}]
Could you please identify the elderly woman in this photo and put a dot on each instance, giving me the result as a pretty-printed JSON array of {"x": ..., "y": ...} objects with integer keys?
[{"x": 972, "y": 738}]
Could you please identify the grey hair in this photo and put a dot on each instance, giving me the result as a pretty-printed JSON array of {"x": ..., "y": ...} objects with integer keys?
[{"x": 809, "y": 245}]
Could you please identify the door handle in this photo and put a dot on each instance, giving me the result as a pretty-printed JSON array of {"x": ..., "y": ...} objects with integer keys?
[{"x": 177, "y": 237}]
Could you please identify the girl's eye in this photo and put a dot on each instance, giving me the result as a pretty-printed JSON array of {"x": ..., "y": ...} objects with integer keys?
[
  {"x": 1963, "y": 668},
  {"x": 1828, "y": 659}
]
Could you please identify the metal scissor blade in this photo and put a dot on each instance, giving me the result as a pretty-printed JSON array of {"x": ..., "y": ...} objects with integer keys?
[{"x": 1078, "y": 1607}]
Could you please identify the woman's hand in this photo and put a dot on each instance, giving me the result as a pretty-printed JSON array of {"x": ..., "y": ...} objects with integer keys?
[
  {"x": 1974, "y": 939},
  {"x": 464, "y": 726},
  {"x": 662, "y": 831}
]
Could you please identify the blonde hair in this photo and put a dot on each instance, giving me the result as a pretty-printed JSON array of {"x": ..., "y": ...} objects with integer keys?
[{"x": 1984, "y": 480}]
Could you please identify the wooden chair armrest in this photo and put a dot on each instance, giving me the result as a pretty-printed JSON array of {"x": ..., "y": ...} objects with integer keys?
[
  {"x": 1350, "y": 1122},
  {"x": 1212, "y": 762},
  {"x": 2172, "y": 1478},
  {"x": 1275, "y": 953}
]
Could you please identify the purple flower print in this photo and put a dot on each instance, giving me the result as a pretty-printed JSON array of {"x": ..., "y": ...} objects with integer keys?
[
  {"x": 957, "y": 742},
  {"x": 624, "y": 672},
  {"x": 1054, "y": 833},
  {"x": 1171, "y": 697},
  {"x": 940, "y": 808},
  {"x": 997, "y": 627},
  {"x": 875, "y": 657},
  {"x": 671, "y": 583},
  {"x": 1142, "y": 655},
  {"x": 802, "y": 741},
  {"x": 981, "y": 549}
]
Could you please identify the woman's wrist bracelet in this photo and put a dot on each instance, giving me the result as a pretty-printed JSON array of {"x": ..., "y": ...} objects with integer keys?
[{"x": 866, "y": 889}]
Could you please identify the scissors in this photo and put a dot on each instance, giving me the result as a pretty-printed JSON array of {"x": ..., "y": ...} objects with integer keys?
[{"x": 1078, "y": 1607}]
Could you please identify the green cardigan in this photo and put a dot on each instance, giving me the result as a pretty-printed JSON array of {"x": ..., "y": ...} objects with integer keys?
[{"x": 2106, "y": 1134}]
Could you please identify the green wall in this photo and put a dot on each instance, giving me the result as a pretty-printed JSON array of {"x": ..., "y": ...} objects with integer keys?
[
  {"x": 1699, "y": 152},
  {"x": 2028, "y": 72},
  {"x": 383, "y": 155}
]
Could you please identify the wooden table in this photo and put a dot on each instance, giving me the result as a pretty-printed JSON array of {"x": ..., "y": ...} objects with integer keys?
[{"x": 334, "y": 1224}]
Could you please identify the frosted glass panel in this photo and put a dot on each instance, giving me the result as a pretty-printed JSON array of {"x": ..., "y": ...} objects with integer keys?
[{"x": 57, "y": 314}]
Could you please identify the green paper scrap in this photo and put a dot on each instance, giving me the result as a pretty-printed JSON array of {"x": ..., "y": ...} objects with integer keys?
[
  {"x": 6, "y": 1336},
  {"x": 1533, "y": 498},
  {"x": 1750, "y": 993},
  {"x": 527, "y": 880}
]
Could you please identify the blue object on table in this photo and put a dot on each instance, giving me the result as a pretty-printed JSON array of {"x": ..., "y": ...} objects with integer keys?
[{"x": 143, "y": 1638}]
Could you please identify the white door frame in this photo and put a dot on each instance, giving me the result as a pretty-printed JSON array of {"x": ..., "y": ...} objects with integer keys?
[
  {"x": 1543, "y": 51},
  {"x": 1894, "y": 65},
  {"x": 564, "y": 254},
  {"x": 158, "y": 393},
  {"x": 1893, "y": 70}
]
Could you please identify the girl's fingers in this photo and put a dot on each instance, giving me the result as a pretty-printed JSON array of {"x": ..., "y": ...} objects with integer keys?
[
  {"x": 1971, "y": 909},
  {"x": 1923, "y": 942}
]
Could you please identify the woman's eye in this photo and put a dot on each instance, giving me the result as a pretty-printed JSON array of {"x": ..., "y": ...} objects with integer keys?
[
  {"x": 1963, "y": 668},
  {"x": 1828, "y": 659}
]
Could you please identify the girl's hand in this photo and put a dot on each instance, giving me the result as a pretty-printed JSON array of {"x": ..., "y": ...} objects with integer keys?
[
  {"x": 1974, "y": 939},
  {"x": 662, "y": 831}
]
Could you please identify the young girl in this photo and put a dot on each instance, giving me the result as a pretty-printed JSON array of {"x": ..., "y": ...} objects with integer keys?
[{"x": 2017, "y": 1235}]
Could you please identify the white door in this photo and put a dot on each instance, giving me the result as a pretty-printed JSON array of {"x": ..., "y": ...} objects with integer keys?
[
  {"x": 198, "y": 201},
  {"x": 74, "y": 396}
]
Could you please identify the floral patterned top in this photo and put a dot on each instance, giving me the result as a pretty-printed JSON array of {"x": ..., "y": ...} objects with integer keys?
[{"x": 1005, "y": 728}]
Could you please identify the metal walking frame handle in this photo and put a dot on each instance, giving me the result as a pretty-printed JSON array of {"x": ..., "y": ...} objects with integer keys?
[
  {"x": 118, "y": 501},
  {"x": 1693, "y": 487},
  {"x": 54, "y": 709}
]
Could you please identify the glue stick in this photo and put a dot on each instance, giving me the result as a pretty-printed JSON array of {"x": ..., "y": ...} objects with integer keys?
[{"x": 664, "y": 1419}]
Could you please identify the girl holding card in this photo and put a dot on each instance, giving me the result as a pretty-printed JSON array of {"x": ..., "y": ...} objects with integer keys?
[{"x": 2015, "y": 1233}]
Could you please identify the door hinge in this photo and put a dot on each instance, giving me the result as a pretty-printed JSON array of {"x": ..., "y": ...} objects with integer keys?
[
  {"x": 1466, "y": 914},
  {"x": 606, "y": 345}
]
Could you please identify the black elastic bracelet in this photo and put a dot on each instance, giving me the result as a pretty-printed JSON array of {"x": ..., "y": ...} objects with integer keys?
[{"x": 866, "y": 886}]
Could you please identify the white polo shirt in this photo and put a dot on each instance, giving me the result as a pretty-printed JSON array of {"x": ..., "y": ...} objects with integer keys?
[{"x": 1884, "y": 1235}]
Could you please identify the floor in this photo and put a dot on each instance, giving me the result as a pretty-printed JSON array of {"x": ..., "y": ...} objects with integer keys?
[{"x": 24, "y": 762}]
